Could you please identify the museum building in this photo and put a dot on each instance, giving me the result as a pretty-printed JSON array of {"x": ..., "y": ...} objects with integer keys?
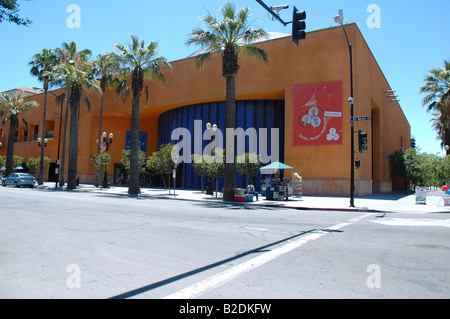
[{"x": 299, "y": 100}]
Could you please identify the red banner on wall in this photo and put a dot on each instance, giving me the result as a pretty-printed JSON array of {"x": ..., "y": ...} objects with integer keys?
[{"x": 318, "y": 114}]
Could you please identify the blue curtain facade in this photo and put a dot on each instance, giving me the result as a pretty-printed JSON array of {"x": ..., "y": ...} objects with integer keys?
[{"x": 249, "y": 114}]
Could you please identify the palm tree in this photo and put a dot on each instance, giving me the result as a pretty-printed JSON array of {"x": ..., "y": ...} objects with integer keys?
[
  {"x": 9, "y": 12},
  {"x": 41, "y": 66},
  {"x": 106, "y": 70},
  {"x": 437, "y": 89},
  {"x": 139, "y": 62},
  {"x": 77, "y": 72},
  {"x": 441, "y": 125},
  {"x": 67, "y": 52},
  {"x": 10, "y": 110},
  {"x": 229, "y": 38}
]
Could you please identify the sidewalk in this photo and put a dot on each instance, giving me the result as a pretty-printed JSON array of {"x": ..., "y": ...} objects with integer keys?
[{"x": 381, "y": 202}]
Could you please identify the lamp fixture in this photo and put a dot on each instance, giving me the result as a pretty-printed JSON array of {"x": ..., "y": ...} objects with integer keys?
[{"x": 40, "y": 142}]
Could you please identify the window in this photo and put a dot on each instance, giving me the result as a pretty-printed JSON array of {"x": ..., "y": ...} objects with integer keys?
[
  {"x": 50, "y": 129},
  {"x": 35, "y": 130}
]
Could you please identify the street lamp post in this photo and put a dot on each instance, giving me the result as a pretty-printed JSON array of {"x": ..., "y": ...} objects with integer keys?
[
  {"x": 107, "y": 142},
  {"x": 339, "y": 19},
  {"x": 42, "y": 144}
]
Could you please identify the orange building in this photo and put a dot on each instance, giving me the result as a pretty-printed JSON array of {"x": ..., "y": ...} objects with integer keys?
[{"x": 303, "y": 92}]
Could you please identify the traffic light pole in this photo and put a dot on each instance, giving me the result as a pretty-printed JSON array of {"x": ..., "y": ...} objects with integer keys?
[
  {"x": 298, "y": 23},
  {"x": 276, "y": 16},
  {"x": 352, "y": 124}
]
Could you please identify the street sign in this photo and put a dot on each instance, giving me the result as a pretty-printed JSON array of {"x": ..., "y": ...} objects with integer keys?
[{"x": 361, "y": 118}]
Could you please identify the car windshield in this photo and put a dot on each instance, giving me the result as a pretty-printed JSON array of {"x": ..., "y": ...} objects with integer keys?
[{"x": 24, "y": 175}]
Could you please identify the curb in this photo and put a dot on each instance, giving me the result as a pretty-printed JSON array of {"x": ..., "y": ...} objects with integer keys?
[
  {"x": 349, "y": 209},
  {"x": 99, "y": 190}
]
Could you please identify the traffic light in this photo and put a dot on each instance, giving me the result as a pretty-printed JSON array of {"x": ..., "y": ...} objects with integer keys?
[
  {"x": 362, "y": 139},
  {"x": 357, "y": 163},
  {"x": 298, "y": 26}
]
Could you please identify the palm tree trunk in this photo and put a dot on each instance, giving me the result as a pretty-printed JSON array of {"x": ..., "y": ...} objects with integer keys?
[
  {"x": 73, "y": 138},
  {"x": 41, "y": 164},
  {"x": 10, "y": 147},
  {"x": 103, "y": 84},
  {"x": 63, "y": 152},
  {"x": 230, "y": 123},
  {"x": 446, "y": 140},
  {"x": 133, "y": 186}
]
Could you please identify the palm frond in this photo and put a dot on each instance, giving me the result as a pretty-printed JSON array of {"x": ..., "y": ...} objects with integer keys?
[
  {"x": 60, "y": 98},
  {"x": 121, "y": 86},
  {"x": 233, "y": 30},
  {"x": 25, "y": 123},
  {"x": 87, "y": 103},
  {"x": 256, "y": 53},
  {"x": 229, "y": 11},
  {"x": 139, "y": 55},
  {"x": 437, "y": 87},
  {"x": 201, "y": 38},
  {"x": 202, "y": 59},
  {"x": 12, "y": 108},
  {"x": 251, "y": 36}
]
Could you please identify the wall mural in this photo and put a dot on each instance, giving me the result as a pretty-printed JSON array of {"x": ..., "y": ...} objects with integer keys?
[{"x": 318, "y": 114}]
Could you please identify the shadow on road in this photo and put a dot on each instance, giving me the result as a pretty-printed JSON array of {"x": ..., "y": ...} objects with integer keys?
[
  {"x": 164, "y": 282},
  {"x": 213, "y": 203}
]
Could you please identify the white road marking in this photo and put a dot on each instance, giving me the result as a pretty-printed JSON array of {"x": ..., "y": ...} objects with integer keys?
[
  {"x": 225, "y": 276},
  {"x": 413, "y": 222},
  {"x": 256, "y": 228}
]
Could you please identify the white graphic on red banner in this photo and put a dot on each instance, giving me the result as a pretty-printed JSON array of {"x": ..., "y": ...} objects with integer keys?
[{"x": 318, "y": 114}]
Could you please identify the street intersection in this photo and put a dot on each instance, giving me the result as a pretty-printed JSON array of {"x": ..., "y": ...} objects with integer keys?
[{"x": 105, "y": 244}]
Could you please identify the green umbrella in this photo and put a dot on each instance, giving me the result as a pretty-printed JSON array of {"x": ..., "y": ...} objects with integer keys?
[{"x": 277, "y": 165}]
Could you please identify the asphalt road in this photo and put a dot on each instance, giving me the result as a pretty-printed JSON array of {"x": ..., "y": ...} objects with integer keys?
[{"x": 84, "y": 245}]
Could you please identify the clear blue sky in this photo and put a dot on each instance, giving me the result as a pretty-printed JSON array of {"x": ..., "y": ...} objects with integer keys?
[{"x": 413, "y": 37}]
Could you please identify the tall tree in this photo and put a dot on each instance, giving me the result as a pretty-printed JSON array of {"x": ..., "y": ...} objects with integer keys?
[
  {"x": 437, "y": 99},
  {"x": 12, "y": 110},
  {"x": 138, "y": 61},
  {"x": 41, "y": 67},
  {"x": 441, "y": 124},
  {"x": 76, "y": 73},
  {"x": 229, "y": 38},
  {"x": 65, "y": 53},
  {"x": 105, "y": 71},
  {"x": 9, "y": 11}
]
